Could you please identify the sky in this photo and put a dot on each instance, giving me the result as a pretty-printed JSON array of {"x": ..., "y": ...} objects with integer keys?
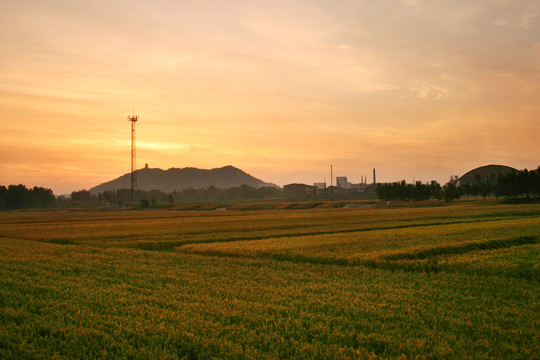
[{"x": 282, "y": 89}]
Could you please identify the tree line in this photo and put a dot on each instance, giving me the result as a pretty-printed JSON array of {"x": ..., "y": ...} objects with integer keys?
[
  {"x": 16, "y": 197},
  {"x": 513, "y": 185},
  {"x": 153, "y": 197},
  {"x": 417, "y": 192}
]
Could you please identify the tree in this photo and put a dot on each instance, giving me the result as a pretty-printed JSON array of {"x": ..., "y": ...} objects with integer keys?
[
  {"x": 467, "y": 189},
  {"x": 43, "y": 198},
  {"x": 3, "y": 198},
  {"x": 475, "y": 189},
  {"x": 19, "y": 197},
  {"x": 436, "y": 190},
  {"x": 485, "y": 188},
  {"x": 451, "y": 192},
  {"x": 536, "y": 182},
  {"x": 81, "y": 196}
]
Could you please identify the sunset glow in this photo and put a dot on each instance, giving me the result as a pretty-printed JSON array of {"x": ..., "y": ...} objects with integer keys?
[{"x": 414, "y": 88}]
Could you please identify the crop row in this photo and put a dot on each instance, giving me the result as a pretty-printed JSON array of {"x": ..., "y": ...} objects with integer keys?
[
  {"x": 168, "y": 229},
  {"x": 427, "y": 247},
  {"x": 79, "y": 302}
]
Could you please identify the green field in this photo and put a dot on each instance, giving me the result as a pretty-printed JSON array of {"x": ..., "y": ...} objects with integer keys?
[{"x": 438, "y": 282}]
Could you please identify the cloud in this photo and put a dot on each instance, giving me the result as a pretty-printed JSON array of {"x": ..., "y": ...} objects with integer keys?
[
  {"x": 424, "y": 91},
  {"x": 275, "y": 86}
]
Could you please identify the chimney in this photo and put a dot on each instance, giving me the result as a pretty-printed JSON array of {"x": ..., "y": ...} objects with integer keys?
[{"x": 374, "y": 180}]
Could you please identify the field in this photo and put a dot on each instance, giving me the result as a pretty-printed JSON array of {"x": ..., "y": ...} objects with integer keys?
[{"x": 431, "y": 282}]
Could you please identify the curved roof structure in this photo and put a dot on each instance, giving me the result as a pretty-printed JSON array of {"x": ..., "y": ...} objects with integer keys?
[{"x": 488, "y": 173}]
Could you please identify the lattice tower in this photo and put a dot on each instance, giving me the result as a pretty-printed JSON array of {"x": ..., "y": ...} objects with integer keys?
[{"x": 133, "y": 119}]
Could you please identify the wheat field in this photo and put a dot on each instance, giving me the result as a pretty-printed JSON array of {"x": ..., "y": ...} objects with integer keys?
[{"x": 430, "y": 282}]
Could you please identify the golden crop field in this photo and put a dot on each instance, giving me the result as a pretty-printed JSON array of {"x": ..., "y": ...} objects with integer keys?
[{"x": 457, "y": 281}]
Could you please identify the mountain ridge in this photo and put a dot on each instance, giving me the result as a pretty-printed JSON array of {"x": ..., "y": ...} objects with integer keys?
[{"x": 182, "y": 178}]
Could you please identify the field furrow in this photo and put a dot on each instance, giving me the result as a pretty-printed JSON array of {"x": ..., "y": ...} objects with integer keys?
[{"x": 452, "y": 282}]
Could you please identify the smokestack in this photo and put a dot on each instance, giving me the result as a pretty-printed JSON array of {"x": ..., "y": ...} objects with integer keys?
[
  {"x": 374, "y": 180},
  {"x": 331, "y": 180}
]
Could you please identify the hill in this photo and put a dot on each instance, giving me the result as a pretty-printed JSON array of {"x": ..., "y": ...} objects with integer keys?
[{"x": 179, "y": 179}]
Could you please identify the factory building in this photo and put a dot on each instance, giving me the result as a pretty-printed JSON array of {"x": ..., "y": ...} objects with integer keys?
[
  {"x": 488, "y": 173},
  {"x": 320, "y": 185},
  {"x": 341, "y": 182},
  {"x": 299, "y": 191}
]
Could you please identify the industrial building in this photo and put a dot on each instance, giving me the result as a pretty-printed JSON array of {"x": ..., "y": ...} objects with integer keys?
[
  {"x": 342, "y": 190},
  {"x": 488, "y": 173},
  {"x": 341, "y": 181},
  {"x": 320, "y": 185},
  {"x": 299, "y": 191}
]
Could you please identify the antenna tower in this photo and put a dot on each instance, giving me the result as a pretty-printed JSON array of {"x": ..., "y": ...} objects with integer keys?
[{"x": 133, "y": 119}]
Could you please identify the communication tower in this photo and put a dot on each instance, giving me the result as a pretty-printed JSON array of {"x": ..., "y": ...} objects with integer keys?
[{"x": 133, "y": 119}]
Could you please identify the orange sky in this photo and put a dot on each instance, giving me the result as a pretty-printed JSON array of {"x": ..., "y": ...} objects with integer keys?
[{"x": 418, "y": 89}]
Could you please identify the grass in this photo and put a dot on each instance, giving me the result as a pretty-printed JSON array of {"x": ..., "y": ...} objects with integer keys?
[{"x": 457, "y": 281}]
